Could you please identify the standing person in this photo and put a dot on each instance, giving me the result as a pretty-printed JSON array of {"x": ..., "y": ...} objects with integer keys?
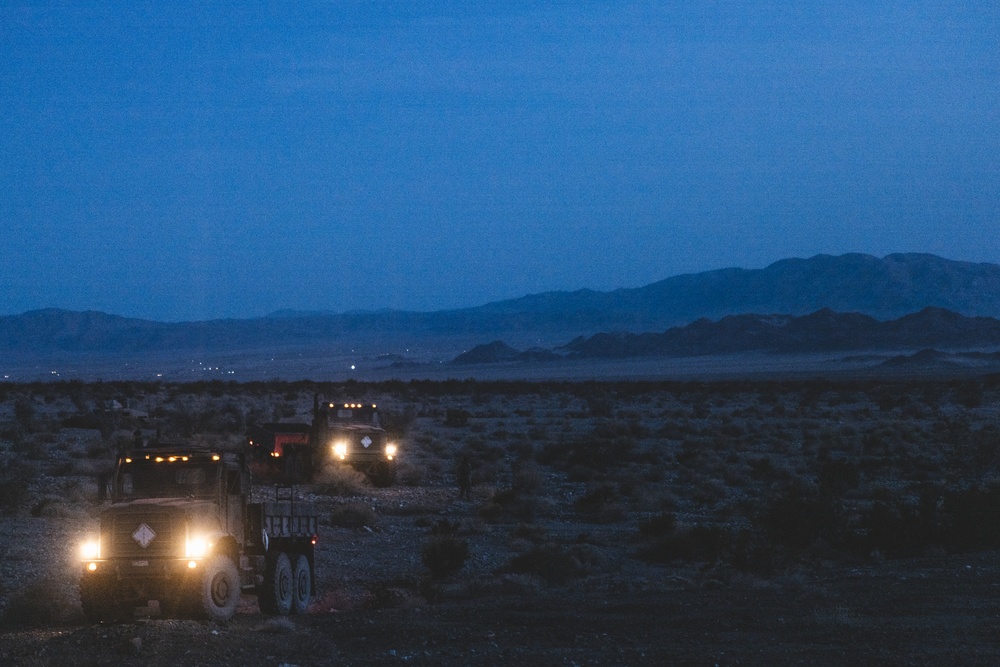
[{"x": 465, "y": 478}]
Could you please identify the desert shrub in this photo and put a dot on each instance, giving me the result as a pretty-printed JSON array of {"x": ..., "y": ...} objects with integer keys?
[
  {"x": 523, "y": 450},
  {"x": 456, "y": 418},
  {"x": 801, "y": 515},
  {"x": 837, "y": 475},
  {"x": 87, "y": 421},
  {"x": 445, "y": 527},
  {"x": 749, "y": 551},
  {"x": 31, "y": 446},
  {"x": 411, "y": 475},
  {"x": 15, "y": 476},
  {"x": 46, "y": 602},
  {"x": 580, "y": 473},
  {"x": 338, "y": 480},
  {"x": 698, "y": 543},
  {"x": 227, "y": 417},
  {"x": 969, "y": 394},
  {"x": 690, "y": 452},
  {"x": 664, "y": 523},
  {"x": 283, "y": 411},
  {"x": 530, "y": 533},
  {"x": 971, "y": 518},
  {"x": 398, "y": 423},
  {"x": 510, "y": 505},
  {"x": 602, "y": 504},
  {"x": 353, "y": 515},
  {"x": 896, "y": 528},
  {"x": 537, "y": 433},
  {"x": 556, "y": 564},
  {"x": 481, "y": 451},
  {"x": 597, "y": 453},
  {"x": 24, "y": 414},
  {"x": 528, "y": 477},
  {"x": 600, "y": 406},
  {"x": 444, "y": 556}
]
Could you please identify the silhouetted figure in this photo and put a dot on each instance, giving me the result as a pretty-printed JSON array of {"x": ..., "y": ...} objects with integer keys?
[
  {"x": 137, "y": 441},
  {"x": 465, "y": 478},
  {"x": 104, "y": 484}
]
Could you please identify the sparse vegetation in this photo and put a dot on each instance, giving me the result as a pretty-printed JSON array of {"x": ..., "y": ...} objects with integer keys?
[
  {"x": 689, "y": 483},
  {"x": 444, "y": 556}
]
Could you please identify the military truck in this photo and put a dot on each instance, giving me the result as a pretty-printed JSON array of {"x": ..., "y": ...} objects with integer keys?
[
  {"x": 348, "y": 433},
  {"x": 183, "y": 529}
]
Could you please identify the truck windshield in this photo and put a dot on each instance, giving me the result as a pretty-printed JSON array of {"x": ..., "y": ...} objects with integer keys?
[
  {"x": 356, "y": 416},
  {"x": 166, "y": 480}
]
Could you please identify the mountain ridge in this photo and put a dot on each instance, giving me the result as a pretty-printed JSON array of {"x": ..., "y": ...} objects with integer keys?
[
  {"x": 887, "y": 288},
  {"x": 822, "y": 331}
]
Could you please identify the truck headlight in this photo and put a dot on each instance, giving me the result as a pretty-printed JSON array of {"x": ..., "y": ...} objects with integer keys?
[
  {"x": 390, "y": 451},
  {"x": 91, "y": 550},
  {"x": 340, "y": 450},
  {"x": 196, "y": 547}
]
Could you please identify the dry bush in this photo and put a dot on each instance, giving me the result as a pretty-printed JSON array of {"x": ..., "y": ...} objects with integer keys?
[
  {"x": 698, "y": 543},
  {"x": 15, "y": 478},
  {"x": 511, "y": 505},
  {"x": 557, "y": 564},
  {"x": 60, "y": 507},
  {"x": 422, "y": 507},
  {"x": 444, "y": 556},
  {"x": 663, "y": 524},
  {"x": 48, "y": 601},
  {"x": 601, "y": 504},
  {"x": 492, "y": 586},
  {"x": 353, "y": 515},
  {"x": 799, "y": 516},
  {"x": 456, "y": 418},
  {"x": 338, "y": 480},
  {"x": 410, "y": 474},
  {"x": 528, "y": 477}
]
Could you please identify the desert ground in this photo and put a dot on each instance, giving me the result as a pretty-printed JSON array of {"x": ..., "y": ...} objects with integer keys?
[{"x": 726, "y": 522}]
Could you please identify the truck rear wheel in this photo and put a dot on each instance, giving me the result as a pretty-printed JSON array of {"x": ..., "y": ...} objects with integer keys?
[
  {"x": 276, "y": 594},
  {"x": 219, "y": 591},
  {"x": 302, "y": 585}
]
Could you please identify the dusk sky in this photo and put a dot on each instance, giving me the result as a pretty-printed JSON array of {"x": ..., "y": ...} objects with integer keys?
[{"x": 187, "y": 161}]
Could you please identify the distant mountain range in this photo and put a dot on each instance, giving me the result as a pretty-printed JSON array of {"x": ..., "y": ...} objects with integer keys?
[
  {"x": 880, "y": 289},
  {"x": 885, "y": 288},
  {"x": 822, "y": 331}
]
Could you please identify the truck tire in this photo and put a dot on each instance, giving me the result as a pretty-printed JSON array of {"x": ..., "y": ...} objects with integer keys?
[
  {"x": 219, "y": 591},
  {"x": 301, "y": 585},
  {"x": 276, "y": 593},
  {"x": 99, "y": 602}
]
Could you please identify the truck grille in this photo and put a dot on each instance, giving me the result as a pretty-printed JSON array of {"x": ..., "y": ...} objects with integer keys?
[
  {"x": 357, "y": 449},
  {"x": 144, "y": 534}
]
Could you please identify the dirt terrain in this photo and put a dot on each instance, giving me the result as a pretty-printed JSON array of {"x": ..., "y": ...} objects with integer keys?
[{"x": 726, "y": 523}]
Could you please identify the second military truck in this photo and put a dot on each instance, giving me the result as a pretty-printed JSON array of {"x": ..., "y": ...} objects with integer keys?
[{"x": 341, "y": 433}]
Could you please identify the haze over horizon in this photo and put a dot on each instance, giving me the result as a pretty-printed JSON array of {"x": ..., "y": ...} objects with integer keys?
[{"x": 186, "y": 162}]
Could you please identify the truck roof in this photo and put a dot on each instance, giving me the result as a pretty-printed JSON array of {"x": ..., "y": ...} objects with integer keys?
[{"x": 276, "y": 427}]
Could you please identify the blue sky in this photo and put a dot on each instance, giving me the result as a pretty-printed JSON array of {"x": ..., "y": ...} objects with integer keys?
[{"x": 181, "y": 161}]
